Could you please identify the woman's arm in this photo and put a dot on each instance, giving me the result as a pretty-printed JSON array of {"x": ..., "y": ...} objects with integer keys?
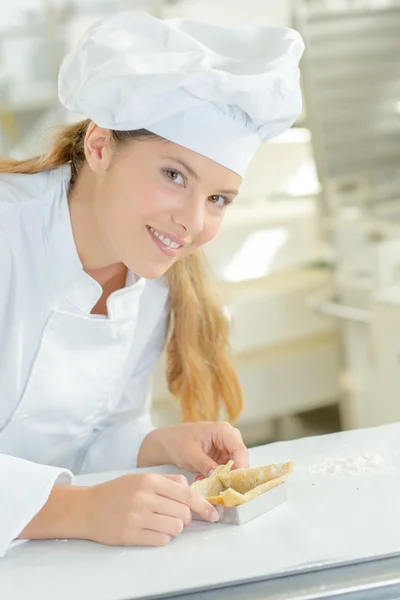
[
  {"x": 24, "y": 486},
  {"x": 144, "y": 509},
  {"x": 62, "y": 516}
]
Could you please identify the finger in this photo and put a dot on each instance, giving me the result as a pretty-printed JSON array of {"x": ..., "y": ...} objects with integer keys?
[
  {"x": 147, "y": 537},
  {"x": 230, "y": 438},
  {"x": 181, "y": 479},
  {"x": 165, "y": 524},
  {"x": 219, "y": 456},
  {"x": 172, "y": 508},
  {"x": 188, "y": 496},
  {"x": 200, "y": 506},
  {"x": 240, "y": 456},
  {"x": 201, "y": 462}
]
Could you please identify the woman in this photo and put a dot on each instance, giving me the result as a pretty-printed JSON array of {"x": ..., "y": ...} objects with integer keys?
[{"x": 100, "y": 264}]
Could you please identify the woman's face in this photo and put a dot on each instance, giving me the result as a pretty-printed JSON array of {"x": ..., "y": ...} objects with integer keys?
[{"x": 156, "y": 202}]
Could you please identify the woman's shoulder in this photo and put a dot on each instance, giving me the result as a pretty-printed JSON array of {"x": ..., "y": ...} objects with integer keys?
[
  {"x": 23, "y": 202},
  {"x": 22, "y": 188}
]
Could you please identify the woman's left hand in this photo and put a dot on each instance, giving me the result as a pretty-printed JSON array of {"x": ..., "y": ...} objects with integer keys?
[{"x": 198, "y": 447}]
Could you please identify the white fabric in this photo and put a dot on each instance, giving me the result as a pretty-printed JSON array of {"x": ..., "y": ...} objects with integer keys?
[
  {"x": 218, "y": 91},
  {"x": 74, "y": 387},
  {"x": 25, "y": 488}
]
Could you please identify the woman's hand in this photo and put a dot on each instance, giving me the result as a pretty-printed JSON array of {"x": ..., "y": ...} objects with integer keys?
[
  {"x": 198, "y": 447},
  {"x": 144, "y": 509}
]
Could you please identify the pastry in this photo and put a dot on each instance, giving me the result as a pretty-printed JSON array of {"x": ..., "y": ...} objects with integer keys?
[{"x": 232, "y": 488}]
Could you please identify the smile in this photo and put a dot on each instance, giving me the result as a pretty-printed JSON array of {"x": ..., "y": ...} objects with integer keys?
[
  {"x": 165, "y": 244},
  {"x": 166, "y": 241}
]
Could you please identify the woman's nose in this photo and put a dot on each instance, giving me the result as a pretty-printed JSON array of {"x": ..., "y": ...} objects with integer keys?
[{"x": 190, "y": 215}]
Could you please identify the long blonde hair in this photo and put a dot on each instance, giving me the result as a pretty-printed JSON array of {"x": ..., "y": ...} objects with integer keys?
[{"x": 199, "y": 367}]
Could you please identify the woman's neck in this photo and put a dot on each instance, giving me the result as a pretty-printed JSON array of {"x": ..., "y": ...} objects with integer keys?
[
  {"x": 110, "y": 280},
  {"x": 96, "y": 258}
]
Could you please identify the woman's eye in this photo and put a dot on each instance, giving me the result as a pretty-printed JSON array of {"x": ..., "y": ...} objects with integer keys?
[
  {"x": 174, "y": 176},
  {"x": 219, "y": 200}
]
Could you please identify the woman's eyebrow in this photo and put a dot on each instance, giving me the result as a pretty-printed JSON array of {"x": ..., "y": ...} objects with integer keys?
[
  {"x": 233, "y": 192},
  {"x": 193, "y": 173}
]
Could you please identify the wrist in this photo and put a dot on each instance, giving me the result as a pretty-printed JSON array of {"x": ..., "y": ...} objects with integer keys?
[
  {"x": 63, "y": 516},
  {"x": 154, "y": 450}
]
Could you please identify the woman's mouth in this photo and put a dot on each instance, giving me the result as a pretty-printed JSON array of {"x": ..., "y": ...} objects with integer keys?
[{"x": 164, "y": 243}]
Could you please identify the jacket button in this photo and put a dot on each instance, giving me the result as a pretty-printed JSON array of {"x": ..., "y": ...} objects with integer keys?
[{"x": 20, "y": 417}]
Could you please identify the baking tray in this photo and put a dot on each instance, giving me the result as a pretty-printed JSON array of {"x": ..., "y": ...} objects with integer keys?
[{"x": 239, "y": 515}]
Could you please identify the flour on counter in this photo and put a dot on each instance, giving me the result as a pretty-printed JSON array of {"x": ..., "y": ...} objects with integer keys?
[{"x": 367, "y": 463}]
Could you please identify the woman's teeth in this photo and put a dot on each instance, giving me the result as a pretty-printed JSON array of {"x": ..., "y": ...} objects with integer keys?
[{"x": 165, "y": 241}]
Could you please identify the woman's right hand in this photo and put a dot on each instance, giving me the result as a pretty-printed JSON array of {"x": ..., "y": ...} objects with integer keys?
[{"x": 144, "y": 509}]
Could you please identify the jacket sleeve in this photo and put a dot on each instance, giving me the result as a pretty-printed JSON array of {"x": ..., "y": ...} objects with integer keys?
[
  {"x": 24, "y": 486},
  {"x": 24, "y": 490},
  {"x": 117, "y": 442}
]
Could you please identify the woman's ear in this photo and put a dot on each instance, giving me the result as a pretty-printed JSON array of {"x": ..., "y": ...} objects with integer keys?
[{"x": 98, "y": 147}]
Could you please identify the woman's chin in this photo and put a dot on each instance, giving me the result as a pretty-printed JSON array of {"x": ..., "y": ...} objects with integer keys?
[{"x": 150, "y": 271}]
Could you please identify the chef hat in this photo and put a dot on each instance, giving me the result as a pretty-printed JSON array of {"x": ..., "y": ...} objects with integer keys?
[{"x": 220, "y": 92}]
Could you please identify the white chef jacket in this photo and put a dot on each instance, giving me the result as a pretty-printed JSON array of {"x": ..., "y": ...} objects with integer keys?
[{"x": 74, "y": 387}]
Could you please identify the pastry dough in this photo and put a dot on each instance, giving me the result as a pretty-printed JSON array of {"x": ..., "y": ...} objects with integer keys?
[{"x": 236, "y": 487}]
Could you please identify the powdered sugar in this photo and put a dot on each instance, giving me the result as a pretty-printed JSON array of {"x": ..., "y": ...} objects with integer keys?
[{"x": 367, "y": 463}]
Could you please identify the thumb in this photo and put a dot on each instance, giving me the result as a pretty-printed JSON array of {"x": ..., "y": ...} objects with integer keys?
[{"x": 202, "y": 463}]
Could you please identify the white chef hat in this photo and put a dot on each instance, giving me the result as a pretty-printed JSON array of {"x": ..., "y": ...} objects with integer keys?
[{"x": 220, "y": 92}]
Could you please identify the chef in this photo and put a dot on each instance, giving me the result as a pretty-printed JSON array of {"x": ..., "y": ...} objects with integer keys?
[{"x": 101, "y": 270}]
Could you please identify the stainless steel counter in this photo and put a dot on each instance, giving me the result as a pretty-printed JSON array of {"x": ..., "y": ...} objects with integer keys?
[{"x": 376, "y": 580}]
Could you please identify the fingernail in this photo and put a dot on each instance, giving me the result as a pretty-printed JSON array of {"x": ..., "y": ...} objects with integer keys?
[
  {"x": 214, "y": 516},
  {"x": 211, "y": 472}
]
